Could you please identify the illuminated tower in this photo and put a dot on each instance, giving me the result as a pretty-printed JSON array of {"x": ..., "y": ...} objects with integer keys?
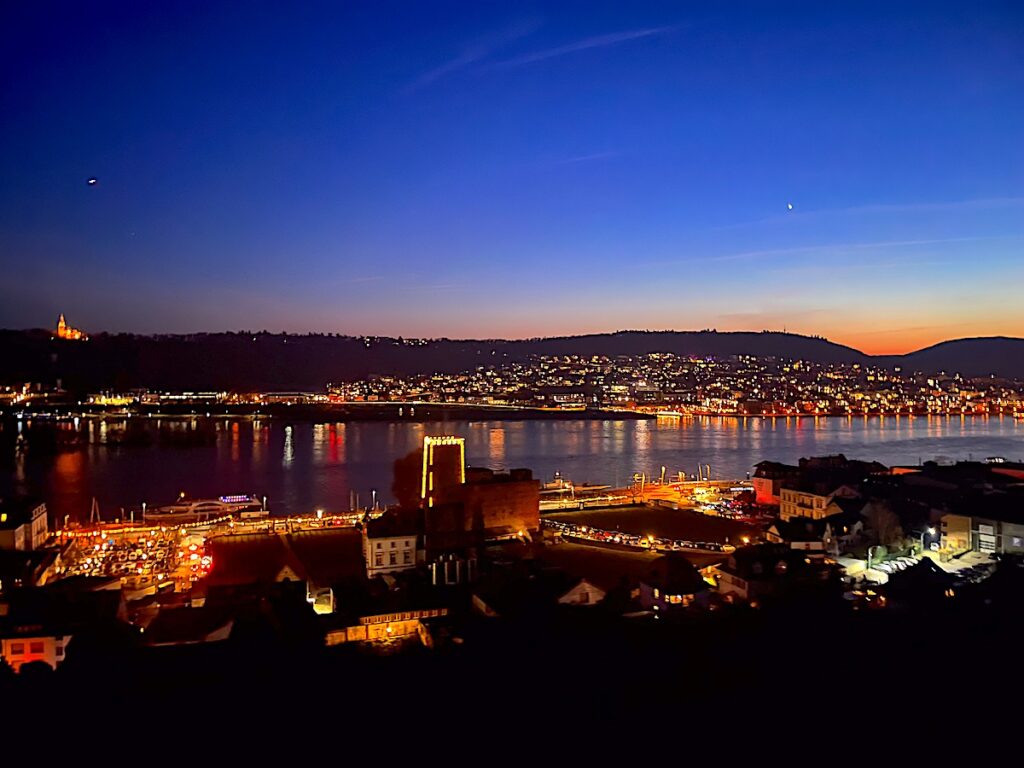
[
  {"x": 444, "y": 465},
  {"x": 65, "y": 331}
]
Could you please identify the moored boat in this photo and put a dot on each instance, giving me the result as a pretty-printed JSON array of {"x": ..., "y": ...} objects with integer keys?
[{"x": 242, "y": 506}]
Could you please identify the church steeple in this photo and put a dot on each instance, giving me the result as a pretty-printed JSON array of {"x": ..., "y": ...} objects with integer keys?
[{"x": 65, "y": 331}]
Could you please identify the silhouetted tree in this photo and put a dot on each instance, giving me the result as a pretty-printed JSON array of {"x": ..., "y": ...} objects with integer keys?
[{"x": 405, "y": 486}]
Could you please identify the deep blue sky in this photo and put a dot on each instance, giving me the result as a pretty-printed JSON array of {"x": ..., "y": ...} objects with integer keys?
[{"x": 515, "y": 169}]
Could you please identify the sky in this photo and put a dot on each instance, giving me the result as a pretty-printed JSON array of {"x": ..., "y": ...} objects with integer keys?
[{"x": 515, "y": 169}]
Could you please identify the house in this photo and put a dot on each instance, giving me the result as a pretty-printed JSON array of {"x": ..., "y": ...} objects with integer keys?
[
  {"x": 821, "y": 480},
  {"x": 752, "y": 574},
  {"x": 672, "y": 582},
  {"x": 802, "y": 533},
  {"x": 583, "y": 593},
  {"x": 20, "y": 568},
  {"x": 390, "y": 542},
  {"x": 808, "y": 501},
  {"x": 829, "y": 535},
  {"x": 529, "y": 589},
  {"x": 23, "y": 524},
  {"x": 922, "y": 583},
  {"x": 322, "y": 559},
  {"x": 391, "y": 607},
  {"x": 189, "y": 626},
  {"x": 38, "y": 624}
]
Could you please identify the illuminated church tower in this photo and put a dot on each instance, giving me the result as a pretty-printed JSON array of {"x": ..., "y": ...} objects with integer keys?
[{"x": 65, "y": 331}]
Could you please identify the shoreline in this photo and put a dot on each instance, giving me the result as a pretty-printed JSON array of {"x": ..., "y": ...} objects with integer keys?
[{"x": 415, "y": 413}]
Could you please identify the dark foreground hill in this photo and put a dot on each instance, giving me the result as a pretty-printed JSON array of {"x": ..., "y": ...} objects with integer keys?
[{"x": 237, "y": 361}]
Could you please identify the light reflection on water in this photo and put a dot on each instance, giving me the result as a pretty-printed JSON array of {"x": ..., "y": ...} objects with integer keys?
[{"x": 308, "y": 466}]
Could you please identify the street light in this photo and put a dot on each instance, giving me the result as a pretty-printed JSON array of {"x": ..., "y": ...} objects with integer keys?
[{"x": 929, "y": 531}]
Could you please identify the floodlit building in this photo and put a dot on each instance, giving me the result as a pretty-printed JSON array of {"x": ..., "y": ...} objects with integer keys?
[
  {"x": 23, "y": 524},
  {"x": 65, "y": 331},
  {"x": 444, "y": 466},
  {"x": 797, "y": 502},
  {"x": 390, "y": 542},
  {"x": 820, "y": 482},
  {"x": 768, "y": 479}
]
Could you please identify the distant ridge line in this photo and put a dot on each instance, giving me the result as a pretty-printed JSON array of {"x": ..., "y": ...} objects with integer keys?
[{"x": 262, "y": 360}]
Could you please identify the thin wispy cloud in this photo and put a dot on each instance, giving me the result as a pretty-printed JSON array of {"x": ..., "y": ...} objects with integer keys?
[
  {"x": 955, "y": 205},
  {"x": 587, "y": 158},
  {"x": 474, "y": 53},
  {"x": 832, "y": 247},
  {"x": 599, "y": 41}
]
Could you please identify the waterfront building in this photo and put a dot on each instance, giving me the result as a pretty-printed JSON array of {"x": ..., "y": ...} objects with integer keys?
[
  {"x": 497, "y": 504},
  {"x": 23, "y": 524}
]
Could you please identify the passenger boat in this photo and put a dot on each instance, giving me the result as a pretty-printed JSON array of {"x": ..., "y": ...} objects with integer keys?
[{"x": 242, "y": 506}]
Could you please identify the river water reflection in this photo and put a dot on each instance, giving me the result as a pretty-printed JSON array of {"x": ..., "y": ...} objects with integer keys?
[{"x": 304, "y": 466}]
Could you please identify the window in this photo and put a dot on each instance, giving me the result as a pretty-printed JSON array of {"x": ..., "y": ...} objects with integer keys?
[
  {"x": 17, "y": 649},
  {"x": 60, "y": 651},
  {"x": 378, "y": 559},
  {"x": 392, "y": 545},
  {"x": 406, "y": 557},
  {"x": 36, "y": 646},
  {"x": 378, "y": 545},
  {"x": 393, "y": 559}
]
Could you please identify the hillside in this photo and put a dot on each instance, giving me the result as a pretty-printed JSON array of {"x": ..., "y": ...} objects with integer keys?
[
  {"x": 999, "y": 355},
  {"x": 234, "y": 361}
]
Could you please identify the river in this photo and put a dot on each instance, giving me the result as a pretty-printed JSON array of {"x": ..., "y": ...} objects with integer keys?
[{"x": 305, "y": 466}]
